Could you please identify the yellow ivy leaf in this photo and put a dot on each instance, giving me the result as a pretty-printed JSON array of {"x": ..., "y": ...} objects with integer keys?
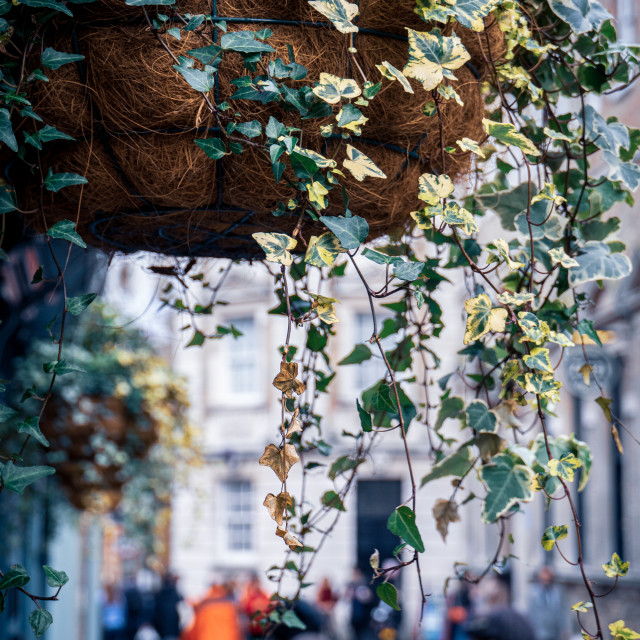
[
  {"x": 433, "y": 56},
  {"x": 515, "y": 299},
  {"x": 351, "y": 125},
  {"x": 322, "y": 251},
  {"x": 586, "y": 370},
  {"x": 317, "y": 192},
  {"x": 276, "y": 246},
  {"x": 503, "y": 249},
  {"x": 423, "y": 219},
  {"x": 558, "y": 256},
  {"x": 564, "y": 467},
  {"x": 482, "y": 318},
  {"x": 467, "y": 144},
  {"x": 507, "y": 134},
  {"x": 458, "y": 216},
  {"x": 432, "y": 188},
  {"x": 555, "y": 135},
  {"x": 549, "y": 192},
  {"x": 286, "y": 380},
  {"x": 279, "y": 460},
  {"x": 582, "y": 607},
  {"x": 616, "y": 567},
  {"x": 620, "y": 632},
  {"x": 276, "y": 505},
  {"x": 538, "y": 359},
  {"x": 318, "y": 158},
  {"x": 324, "y": 308},
  {"x": 391, "y": 73},
  {"x": 616, "y": 438},
  {"x": 361, "y": 166}
]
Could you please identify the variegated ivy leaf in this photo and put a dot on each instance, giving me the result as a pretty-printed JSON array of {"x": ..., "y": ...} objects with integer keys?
[
  {"x": 449, "y": 93},
  {"x": 323, "y": 306},
  {"x": 560, "y": 338},
  {"x": 596, "y": 261},
  {"x": 340, "y": 12},
  {"x": 391, "y": 73},
  {"x": 467, "y": 144},
  {"x": 583, "y": 607},
  {"x": 558, "y": 256},
  {"x": 542, "y": 384},
  {"x": 457, "y": 216},
  {"x": 433, "y": 57},
  {"x": 322, "y": 251},
  {"x": 555, "y": 135},
  {"x": 515, "y": 299},
  {"x": 564, "y": 467},
  {"x": 423, "y": 218},
  {"x": 533, "y": 329},
  {"x": 616, "y": 567},
  {"x": 361, "y": 166},
  {"x": 276, "y": 246},
  {"x": 507, "y": 134},
  {"x": 351, "y": 118},
  {"x": 480, "y": 417},
  {"x": 552, "y": 535},
  {"x": 507, "y": 483},
  {"x": 318, "y": 158},
  {"x": 502, "y": 248},
  {"x": 432, "y": 188},
  {"x": 317, "y": 192},
  {"x": 469, "y": 13},
  {"x": 621, "y": 632},
  {"x": 580, "y": 15},
  {"x": 549, "y": 192},
  {"x": 538, "y": 359},
  {"x": 332, "y": 88},
  {"x": 482, "y": 318}
]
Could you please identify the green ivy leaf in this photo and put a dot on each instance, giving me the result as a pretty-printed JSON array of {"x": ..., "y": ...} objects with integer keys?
[
  {"x": 388, "y": 594},
  {"x": 507, "y": 483},
  {"x": 15, "y": 576},
  {"x": 7, "y": 199},
  {"x": 40, "y": 620},
  {"x": 213, "y": 147},
  {"x": 66, "y": 230},
  {"x": 75, "y": 306},
  {"x": 365, "y": 418},
  {"x": 581, "y": 15},
  {"x": 332, "y": 500},
  {"x": 197, "y": 340},
  {"x": 469, "y": 13},
  {"x": 52, "y": 59},
  {"x": 457, "y": 464},
  {"x": 359, "y": 354},
  {"x": 55, "y": 578},
  {"x": 48, "y": 4},
  {"x": 56, "y": 181},
  {"x": 31, "y": 426},
  {"x": 291, "y": 620},
  {"x": 402, "y": 522},
  {"x": 6, "y": 132},
  {"x": 552, "y": 535},
  {"x": 200, "y": 80},
  {"x": 351, "y": 232},
  {"x": 6, "y": 413},
  {"x": 17, "y": 478},
  {"x": 480, "y": 417},
  {"x": 538, "y": 359},
  {"x": 597, "y": 262},
  {"x": 244, "y": 42}
]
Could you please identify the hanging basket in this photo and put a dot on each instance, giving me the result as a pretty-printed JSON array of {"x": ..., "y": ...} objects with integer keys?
[
  {"x": 134, "y": 120},
  {"x": 94, "y": 440}
]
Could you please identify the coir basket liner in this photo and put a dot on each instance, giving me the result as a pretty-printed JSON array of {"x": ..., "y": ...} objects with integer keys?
[{"x": 134, "y": 120}]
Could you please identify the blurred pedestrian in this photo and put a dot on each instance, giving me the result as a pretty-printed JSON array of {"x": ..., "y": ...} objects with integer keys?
[
  {"x": 459, "y": 611},
  {"x": 326, "y": 597},
  {"x": 546, "y": 595},
  {"x": 215, "y": 617},
  {"x": 166, "y": 618},
  {"x": 361, "y": 599},
  {"x": 255, "y": 604},
  {"x": 113, "y": 614},
  {"x": 496, "y": 619}
]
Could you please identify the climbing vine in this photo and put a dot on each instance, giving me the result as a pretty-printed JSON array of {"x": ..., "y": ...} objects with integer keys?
[{"x": 517, "y": 213}]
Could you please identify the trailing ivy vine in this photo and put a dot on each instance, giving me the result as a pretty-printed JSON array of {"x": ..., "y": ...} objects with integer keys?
[{"x": 529, "y": 235}]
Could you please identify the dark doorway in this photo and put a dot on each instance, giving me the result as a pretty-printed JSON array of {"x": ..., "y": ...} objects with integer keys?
[{"x": 376, "y": 500}]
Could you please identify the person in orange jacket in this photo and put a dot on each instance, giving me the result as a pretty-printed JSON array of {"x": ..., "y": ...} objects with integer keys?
[
  {"x": 215, "y": 617},
  {"x": 256, "y": 605}
]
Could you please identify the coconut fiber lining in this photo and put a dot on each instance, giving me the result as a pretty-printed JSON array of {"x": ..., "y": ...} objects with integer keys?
[{"x": 135, "y": 119}]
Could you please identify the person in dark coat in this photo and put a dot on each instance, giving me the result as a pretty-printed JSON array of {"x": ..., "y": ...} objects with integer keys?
[{"x": 166, "y": 618}]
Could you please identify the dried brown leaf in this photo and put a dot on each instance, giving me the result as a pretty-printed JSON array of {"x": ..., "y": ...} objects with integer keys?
[
  {"x": 280, "y": 460},
  {"x": 294, "y": 424},
  {"x": 286, "y": 380},
  {"x": 289, "y": 538},
  {"x": 616, "y": 438},
  {"x": 276, "y": 505},
  {"x": 445, "y": 512}
]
